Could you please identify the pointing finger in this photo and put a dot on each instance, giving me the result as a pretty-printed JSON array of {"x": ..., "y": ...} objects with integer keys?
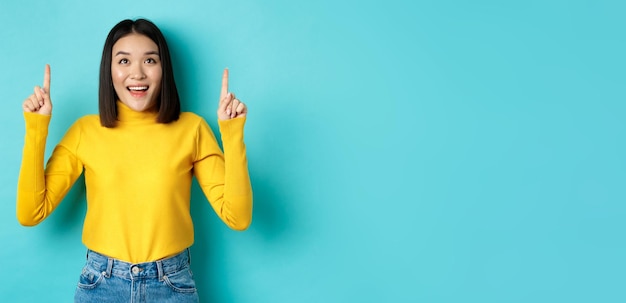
[
  {"x": 46, "y": 79},
  {"x": 224, "y": 84}
]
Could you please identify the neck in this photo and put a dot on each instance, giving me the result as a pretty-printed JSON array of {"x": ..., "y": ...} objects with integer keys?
[{"x": 126, "y": 114}]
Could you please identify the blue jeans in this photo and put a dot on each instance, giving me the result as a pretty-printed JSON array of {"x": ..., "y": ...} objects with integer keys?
[{"x": 106, "y": 280}]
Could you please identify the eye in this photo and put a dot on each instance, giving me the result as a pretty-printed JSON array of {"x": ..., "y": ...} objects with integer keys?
[
  {"x": 123, "y": 61},
  {"x": 151, "y": 61}
]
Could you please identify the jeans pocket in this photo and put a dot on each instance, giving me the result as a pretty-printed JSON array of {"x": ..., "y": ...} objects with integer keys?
[
  {"x": 181, "y": 281},
  {"x": 89, "y": 278}
]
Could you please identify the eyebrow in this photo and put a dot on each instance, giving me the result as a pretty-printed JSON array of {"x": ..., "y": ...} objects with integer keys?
[{"x": 127, "y": 53}]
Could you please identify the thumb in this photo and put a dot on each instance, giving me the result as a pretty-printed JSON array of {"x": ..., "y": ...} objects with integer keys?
[
  {"x": 46, "y": 95},
  {"x": 46, "y": 108}
]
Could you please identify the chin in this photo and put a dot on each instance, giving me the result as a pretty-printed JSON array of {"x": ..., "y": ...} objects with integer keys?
[{"x": 139, "y": 106}]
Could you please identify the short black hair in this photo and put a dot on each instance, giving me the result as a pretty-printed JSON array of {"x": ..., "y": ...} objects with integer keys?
[{"x": 168, "y": 101}]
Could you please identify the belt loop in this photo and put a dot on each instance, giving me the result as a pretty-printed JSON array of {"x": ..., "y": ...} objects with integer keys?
[
  {"x": 109, "y": 267},
  {"x": 159, "y": 265},
  {"x": 188, "y": 256}
]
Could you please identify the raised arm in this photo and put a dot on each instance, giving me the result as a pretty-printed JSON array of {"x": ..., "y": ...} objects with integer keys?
[
  {"x": 38, "y": 192},
  {"x": 224, "y": 178}
]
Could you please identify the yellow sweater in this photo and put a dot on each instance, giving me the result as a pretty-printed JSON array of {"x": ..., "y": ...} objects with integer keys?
[{"x": 138, "y": 179}]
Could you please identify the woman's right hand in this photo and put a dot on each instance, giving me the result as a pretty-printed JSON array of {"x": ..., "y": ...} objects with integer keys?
[{"x": 39, "y": 102}]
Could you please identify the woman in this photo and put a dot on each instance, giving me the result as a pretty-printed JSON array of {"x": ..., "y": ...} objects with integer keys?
[{"x": 138, "y": 156}]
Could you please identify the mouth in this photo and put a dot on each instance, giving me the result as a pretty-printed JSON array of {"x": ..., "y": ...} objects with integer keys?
[
  {"x": 137, "y": 91},
  {"x": 137, "y": 88}
]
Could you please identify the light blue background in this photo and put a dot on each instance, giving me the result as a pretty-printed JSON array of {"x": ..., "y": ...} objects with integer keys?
[{"x": 400, "y": 151}]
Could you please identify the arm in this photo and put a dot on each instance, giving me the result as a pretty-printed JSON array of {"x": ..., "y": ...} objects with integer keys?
[
  {"x": 39, "y": 191},
  {"x": 224, "y": 177}
]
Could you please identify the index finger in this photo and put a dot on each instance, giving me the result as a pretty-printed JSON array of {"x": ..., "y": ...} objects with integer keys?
[
  {"x": 46, "y": 79},
  {"x": 224, "y": 84}
]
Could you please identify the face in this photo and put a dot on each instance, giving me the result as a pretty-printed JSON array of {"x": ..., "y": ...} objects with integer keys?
[{"x": 136, "y": 72}]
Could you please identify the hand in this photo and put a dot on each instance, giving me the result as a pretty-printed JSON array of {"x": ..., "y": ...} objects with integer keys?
[
  {"x": 230, "y": 107},
  {"x": 39, "y": 102}
]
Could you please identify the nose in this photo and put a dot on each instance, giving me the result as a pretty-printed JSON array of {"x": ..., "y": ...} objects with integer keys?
[{"x": 136, "y": 72}]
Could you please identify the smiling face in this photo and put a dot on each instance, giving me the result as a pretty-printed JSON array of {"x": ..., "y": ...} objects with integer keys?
[{"x": 136, "y": 72}]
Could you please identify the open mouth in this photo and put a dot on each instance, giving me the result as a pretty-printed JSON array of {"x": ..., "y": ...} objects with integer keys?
[
  {"x": 137, "y": 88},
  {"x": 138, "y": 91}
]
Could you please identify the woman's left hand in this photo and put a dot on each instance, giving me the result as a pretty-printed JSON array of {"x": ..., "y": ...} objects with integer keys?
[{"x": 230, "y": 107}]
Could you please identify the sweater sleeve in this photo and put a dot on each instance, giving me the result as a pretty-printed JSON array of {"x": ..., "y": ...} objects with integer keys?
[
  {"x": 40, "y": 191},
  {"x": 224, "y": 176}
]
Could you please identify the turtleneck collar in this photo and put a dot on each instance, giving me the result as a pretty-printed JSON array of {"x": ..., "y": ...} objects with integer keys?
[{"x": 126, "y": 114}]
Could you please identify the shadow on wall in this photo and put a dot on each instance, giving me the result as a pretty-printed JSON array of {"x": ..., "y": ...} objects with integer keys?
[
  {"x": 269, "y": 218},
  {"x": 209, "y": 256},
  {"x": 67, "y": 219}
]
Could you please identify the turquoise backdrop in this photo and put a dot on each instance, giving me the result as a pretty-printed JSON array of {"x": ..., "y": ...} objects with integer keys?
[{"x": 400, "y": 151}]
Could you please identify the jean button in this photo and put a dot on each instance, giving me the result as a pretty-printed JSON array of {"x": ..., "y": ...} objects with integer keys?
[{"x": 135, "y": 270}]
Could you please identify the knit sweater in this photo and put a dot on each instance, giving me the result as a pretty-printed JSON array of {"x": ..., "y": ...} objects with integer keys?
[{"x": 138, "y": 179}]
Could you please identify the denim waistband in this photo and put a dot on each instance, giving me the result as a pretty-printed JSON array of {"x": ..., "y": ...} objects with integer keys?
[{"x": 149, "y": 270}]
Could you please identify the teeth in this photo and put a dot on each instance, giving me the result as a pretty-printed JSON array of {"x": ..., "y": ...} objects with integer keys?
[{"x": 137, "y": 87}]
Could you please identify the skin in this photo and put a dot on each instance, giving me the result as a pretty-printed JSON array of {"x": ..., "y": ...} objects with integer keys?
[
  {"x": 39, "y": 102},
  {"x": 229, "y": 107},
  {"x": 136, "y": 69},
  {"x": 136, "y": 63}
]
